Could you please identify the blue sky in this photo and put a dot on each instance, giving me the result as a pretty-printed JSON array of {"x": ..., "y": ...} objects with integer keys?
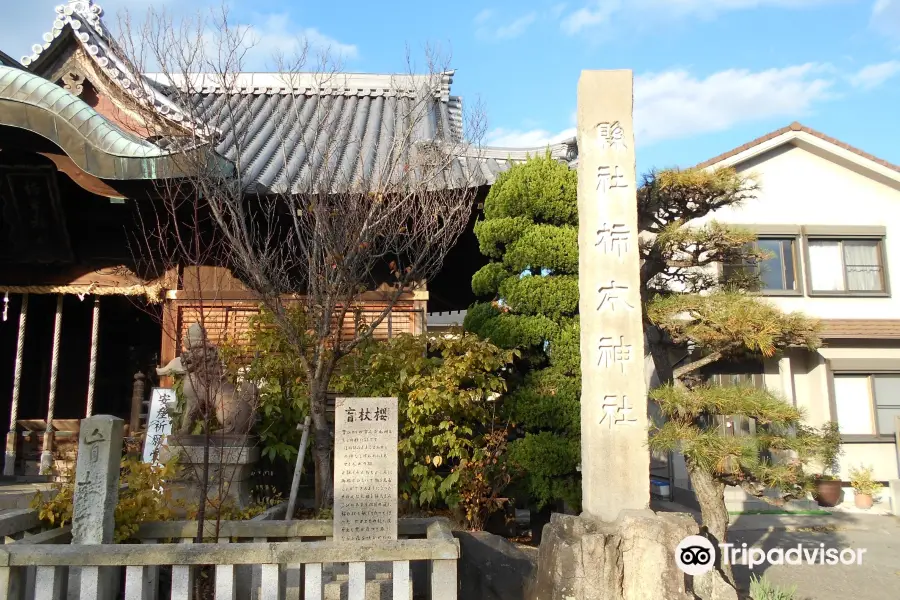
[{"x": 710, "y": 74}]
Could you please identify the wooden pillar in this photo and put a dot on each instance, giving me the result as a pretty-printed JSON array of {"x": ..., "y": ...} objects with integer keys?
[
  {"x": 10, "y": 465},
  {"x": 92, "y": 376},
  {"x": 47, "y": 452}
]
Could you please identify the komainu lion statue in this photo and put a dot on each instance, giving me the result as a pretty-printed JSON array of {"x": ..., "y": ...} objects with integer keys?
[{"x": 205, "y": 383}]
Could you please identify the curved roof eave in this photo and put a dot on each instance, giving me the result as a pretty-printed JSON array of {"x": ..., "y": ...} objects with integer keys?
[{"x": 96, "y": 144}]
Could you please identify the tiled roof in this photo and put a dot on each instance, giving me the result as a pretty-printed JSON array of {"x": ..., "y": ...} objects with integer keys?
[
  {"x": 83, "y": 18},
  {"x": 795, "y": 126},
  {"x": 884, "y": 329},
  {"x": 278, "y": 128},
  {"x": 280, "y": 132}
]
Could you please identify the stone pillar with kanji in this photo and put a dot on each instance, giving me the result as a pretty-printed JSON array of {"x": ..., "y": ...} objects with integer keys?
[
  {"x": 96, "y": 496},
  {"x": 618, "y": 547},
  {"x": 615, "y": 461}
]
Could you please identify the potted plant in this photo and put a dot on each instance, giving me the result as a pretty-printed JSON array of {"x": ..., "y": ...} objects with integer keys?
[
  {"x": 828, "y": 485},
  {"x": 864, "y": 486}
]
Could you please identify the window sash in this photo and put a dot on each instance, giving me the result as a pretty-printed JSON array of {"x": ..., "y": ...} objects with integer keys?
[
  {"x": 851, "y": 265},
  {"x": 853, "y": 404},
  {"x": 874, "y": 415},
  {"x": 778, "y": 273}
]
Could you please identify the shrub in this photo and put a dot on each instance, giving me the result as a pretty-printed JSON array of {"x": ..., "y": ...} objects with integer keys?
[
  {"x": 763, "y": 589},
  {"x": 142, "y": 498},
  {"x": 450, "y": 390},
  {"x": 862, "y": 482},
  {"x": 530, "y": 233}
]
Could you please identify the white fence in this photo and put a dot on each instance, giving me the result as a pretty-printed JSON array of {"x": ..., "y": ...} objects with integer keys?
[{"x": 260, "y": 560}]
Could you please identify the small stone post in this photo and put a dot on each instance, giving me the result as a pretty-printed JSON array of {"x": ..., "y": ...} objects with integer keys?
[
  {"x": 138, "y": 393},
  {"x": 96, "y": 495}
]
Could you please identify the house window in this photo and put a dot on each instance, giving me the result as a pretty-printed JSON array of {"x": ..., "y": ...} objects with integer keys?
[
  {"x": 738, "y": 379},
  {"x": 867, "y": 404},
  {"x": 778, "y": 272},
  {"x": 846, "y": 266}
]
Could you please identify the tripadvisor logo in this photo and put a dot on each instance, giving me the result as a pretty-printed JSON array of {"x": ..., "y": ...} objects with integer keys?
[{"x": 696, "y": 555}]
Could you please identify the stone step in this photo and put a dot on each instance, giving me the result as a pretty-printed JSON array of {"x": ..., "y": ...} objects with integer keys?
[{"x": 376, "y": 589}]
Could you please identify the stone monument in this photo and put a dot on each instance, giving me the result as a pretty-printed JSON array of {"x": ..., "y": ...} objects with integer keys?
[
  {"x": 618, "y": 548},
  {"x": 365, "y": 469},
  {"x": 95, "y": 499}
]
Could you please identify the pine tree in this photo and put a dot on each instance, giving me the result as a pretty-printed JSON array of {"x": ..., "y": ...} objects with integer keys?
[
  {"x": 688, "y": 307},
  {"x": 530, "y": 233},
  {"x": 730, "y": 325}
]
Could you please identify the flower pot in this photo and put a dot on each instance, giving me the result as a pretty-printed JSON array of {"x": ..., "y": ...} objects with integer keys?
[
  {"x": 828, "y": 492},
  {"x": 863, "y": 501}
]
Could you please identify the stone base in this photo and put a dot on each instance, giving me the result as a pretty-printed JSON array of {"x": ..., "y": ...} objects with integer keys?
[
  {"x": 231, "y": 460},
  {"x": 632, "y": 558}
]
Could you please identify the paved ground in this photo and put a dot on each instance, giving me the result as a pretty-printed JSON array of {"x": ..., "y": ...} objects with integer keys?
[{"x": 878, "y": 578}]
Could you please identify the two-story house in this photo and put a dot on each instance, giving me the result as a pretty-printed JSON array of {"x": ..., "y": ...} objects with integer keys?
[{"x": 829, "y": 216}]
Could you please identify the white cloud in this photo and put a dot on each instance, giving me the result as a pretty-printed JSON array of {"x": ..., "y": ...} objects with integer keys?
[
  {"x": 873, "y": 76},
  {"x": 532, "y": 138},
  {"x": 276, "y": 34},
  {"x": 598, "y": 12},
  {"x": 886, "y": 17},
  {"x": 489, "y": 30},
  {"x": 590, "y": 16},
  {"x": 517, "y": 27},
  {"x": 557, "y": 9},
  {"x": 676, "y": 104},
  {"x": 483, "y": 16},
  {"x": 24, "y": 23}
]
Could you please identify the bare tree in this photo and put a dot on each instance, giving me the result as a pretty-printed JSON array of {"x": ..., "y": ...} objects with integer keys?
[{"x": 352, "y": 200}]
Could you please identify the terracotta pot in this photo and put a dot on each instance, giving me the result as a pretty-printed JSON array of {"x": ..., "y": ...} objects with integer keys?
[
  {"x": 828, "y": 492},
  {"x": 863, "y": 501}
]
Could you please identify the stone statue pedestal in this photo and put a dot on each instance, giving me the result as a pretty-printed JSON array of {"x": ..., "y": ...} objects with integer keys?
[
  {"x": 631, "y": 558},
  {"x": 231, "y": 460}
]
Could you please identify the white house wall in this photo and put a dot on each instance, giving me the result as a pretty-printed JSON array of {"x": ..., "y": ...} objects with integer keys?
[{"x": 801, "y": 188}]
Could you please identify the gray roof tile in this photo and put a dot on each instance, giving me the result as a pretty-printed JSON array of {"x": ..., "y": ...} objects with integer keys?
[{"x": 300, "y": 131}]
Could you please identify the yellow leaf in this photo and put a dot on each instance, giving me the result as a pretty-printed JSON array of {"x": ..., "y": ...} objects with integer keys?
[{"x": 437, "y": 460}]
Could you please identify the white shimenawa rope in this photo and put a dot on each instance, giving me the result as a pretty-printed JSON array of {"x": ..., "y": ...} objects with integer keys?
[
  {"x": 54, "y": 371},
  {"x": 95, "y": 330},
  {"x": 17, "y": 378}
]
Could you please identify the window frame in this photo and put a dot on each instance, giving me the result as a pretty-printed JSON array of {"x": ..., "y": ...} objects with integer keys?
[
  {"x": 873, "y": 406},
  {"x": 799, "y": 279},
  {"x": 879, "y": 239}
]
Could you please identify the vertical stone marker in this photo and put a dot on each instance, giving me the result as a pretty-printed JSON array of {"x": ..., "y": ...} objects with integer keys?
[
  {"x": 618, "y": 548},
  {"x": 365, "y": 469},
  {"x": 96, "y": 496},
  {"x": 615, "y": 461}
]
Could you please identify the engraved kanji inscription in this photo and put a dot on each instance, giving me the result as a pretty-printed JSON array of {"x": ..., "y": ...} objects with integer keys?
[
  {"x": 616, "y": 412},
  {"x": 611, "y": 135},
  {"x": 613, "y": 238},
  {"x": 612, "y": 295},
  {"x": 609, "y": 178},
  {"x": 612, "y": 354}
]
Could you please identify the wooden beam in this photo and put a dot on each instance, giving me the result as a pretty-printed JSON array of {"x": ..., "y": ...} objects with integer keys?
[{"x": 84, "y": 180}]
